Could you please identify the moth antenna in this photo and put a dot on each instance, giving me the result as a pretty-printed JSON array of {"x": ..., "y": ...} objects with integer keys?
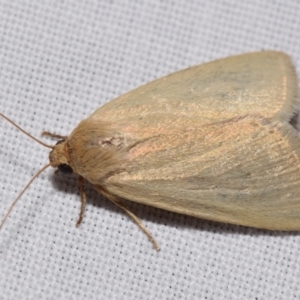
[
  {"x": 25, "y": 188},
  {"x": 26, "y": 133}
]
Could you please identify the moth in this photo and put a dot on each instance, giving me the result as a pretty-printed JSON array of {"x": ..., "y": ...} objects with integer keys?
[{"x": 214, "y": 141}]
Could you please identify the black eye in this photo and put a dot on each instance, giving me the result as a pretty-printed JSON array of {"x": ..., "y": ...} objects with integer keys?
[{"x": 64, "y": 168}]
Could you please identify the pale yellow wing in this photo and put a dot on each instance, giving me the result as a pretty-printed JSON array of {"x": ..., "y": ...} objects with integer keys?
[
  {"x": 261, "y": 83},
  {"x": 212, "y": 141},
  {"x": 244, "y": 171}
]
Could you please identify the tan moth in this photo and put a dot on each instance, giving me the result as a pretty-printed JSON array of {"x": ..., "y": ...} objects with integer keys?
[{"x": 213, "y": 141}]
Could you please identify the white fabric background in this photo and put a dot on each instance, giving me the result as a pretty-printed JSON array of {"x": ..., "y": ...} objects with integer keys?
[{"x": 60, "y": 60}]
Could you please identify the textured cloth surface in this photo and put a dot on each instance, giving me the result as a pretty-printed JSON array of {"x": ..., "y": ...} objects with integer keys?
[{"x": 60, "y": 60}]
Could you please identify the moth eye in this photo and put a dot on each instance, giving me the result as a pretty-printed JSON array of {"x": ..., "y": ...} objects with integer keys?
[
  {"x": 64, "y": 168},
  {"x": 59, "y": 142}
]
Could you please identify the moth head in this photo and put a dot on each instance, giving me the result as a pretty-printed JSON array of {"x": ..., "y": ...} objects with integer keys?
[{"x": 59, "y": 157}]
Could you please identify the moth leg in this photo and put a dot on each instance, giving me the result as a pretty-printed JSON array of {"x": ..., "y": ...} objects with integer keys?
[
  {"x": 138, "y": 222},
  {"x": 83, "y": 199},
  {"x": 54, "y": 136}
]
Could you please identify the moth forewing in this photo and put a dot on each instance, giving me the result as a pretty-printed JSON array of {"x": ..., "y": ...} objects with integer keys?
[{"x": 214, "y": 141}]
